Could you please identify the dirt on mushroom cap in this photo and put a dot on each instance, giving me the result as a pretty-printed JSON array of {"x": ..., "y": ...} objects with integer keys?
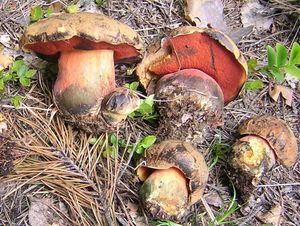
[
  {"x": 90, "y": 26},
  {"x": 158, "y": 53},
  {"x": 183, "y": 156},
  {"x": 277, "y": 133},
  {"x": 191, "y": 104}
]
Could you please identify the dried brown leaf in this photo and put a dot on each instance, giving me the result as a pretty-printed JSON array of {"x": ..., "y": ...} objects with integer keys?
[
  {"x": 41, "y": 213},
  {"x": 253, "y": 14},
  {"x": 273, "y": 216},
  {"x": 286, "y": 93},
  {"x": 206, "y": 13},
  {"x": 213, "y": 198},
  {"x": 5, "y": 61}
]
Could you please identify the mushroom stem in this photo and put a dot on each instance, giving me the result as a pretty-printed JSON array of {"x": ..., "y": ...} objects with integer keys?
[
  {"x": 84, "y": 78},
  {"x": 165, "y": 191}
]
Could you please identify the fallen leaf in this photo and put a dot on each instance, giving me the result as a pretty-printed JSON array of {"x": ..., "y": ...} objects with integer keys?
[
  {"x": 206, "y": 13},
  {"x": 41, "y": 212},
  {"x": 254, "y": 14},
  {"x": 213, "y": 198},
  {"x": 286, "y": 93},
  {"x": 273, "y": 216},
  {"x": 291, "y": 80},
  {"x": 5, "y": 61},
  {"x": 209, "y": 13},
  {"x": 5, "y": 40}
]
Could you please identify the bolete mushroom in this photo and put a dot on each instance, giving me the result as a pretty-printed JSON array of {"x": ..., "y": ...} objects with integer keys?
[
  {"x": 87, "y": 45},
  {"x": 174, "y": 177},
  {"x": 208, "y": 50},
  {"x": 190, "y": 103},
  {"x": 264, "y": 139}
]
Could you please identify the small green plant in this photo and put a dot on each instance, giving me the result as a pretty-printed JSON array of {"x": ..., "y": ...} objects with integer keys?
[
  {"x": 100, "y": 3},
  {"x": 145, "y": 143},
  {"x": 114, "y": 144},
  {"x": 16, "y": 101},
  {"x": 36, "y": 13},
  {"x": 50, "y": 11},
  {"x": 224, "y": 213},
  {"x": 279, "y": 64},
  {"x": 164, "y": 223},
  {"x": 72, "y": 8},
  {"x": 19, "y": 72},
  {"x": 133, "y": 86},
  {"x": 219, "y": 150},
  {"x": 146, "y": 110}
]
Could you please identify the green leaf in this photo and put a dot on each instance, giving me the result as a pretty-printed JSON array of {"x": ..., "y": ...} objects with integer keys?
[
  {"x": 22, "y": 70},
  {"x": 252, "y": 63},
  {"x": 139, "y": 149},
  {"x": 134, "y": 85},
  {"x": 254, "y": 85},
  {"x": 93, "y": 140},
  {"x": 72, "y": 8},
  {"x": 30, "y": 73},
  {"x": 36, "y": 13},
  {"x": 113, "y": 139},
  {"x": 277, "y": 73},
  {"x": 271, "y": 56},
  {"x": 100, "y": 2},
  {"x": 145, "y": 108},
  {"x": 150, "y": 100},
  {"x": 148, "y": 141},
  {"x": 281, "y": 57},
  {"x": 295, "y": 54},
  {"x": 7, "y": 77},
  {"x": 122, "y": 143},
  {"x": 2, "y": 86},
  {"x": 24, "y": 81},
  {"x": 50, "y": 11},
  {"x": 17, "y": 65},
  {"x": 110, "y": 151},
  {"x": 16, "y": 101},
  {"x": 293, "y": 70}
]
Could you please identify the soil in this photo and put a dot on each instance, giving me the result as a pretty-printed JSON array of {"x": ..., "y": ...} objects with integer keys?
[{"x": 58, "y": 163}]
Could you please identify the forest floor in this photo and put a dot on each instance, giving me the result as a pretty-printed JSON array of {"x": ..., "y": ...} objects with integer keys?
[{"x": 59, "y": 178}]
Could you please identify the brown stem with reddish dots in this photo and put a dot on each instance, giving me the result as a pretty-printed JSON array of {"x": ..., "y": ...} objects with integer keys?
[{"x": 84, "y": 78}]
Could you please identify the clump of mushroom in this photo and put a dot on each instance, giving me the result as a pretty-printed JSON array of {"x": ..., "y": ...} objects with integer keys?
[
  {"x": 264, "y": 139},
  {"x": 178, "y": 57},
  {"x": 87, "y": 45},
  {"x": 174, "y": 177}
]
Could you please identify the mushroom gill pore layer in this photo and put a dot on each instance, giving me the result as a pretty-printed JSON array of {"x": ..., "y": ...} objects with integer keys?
[{"x": 200, "y": 51}]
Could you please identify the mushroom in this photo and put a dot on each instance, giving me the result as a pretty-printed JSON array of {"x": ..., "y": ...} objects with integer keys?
[
  {"x": 174, "y": 177},
  {"x": 190, "y": 104},
  {"x": 264, "y": 139},
  {"x": 208, "y": 50},
  {"x": 87, "y": 45}
]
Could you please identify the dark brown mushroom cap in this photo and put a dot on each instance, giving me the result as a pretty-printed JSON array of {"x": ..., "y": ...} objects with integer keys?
[
  {"x": 277, "y": 133},
  {"x": 181, "y": 155},
  {"x": 82, "y": 30},
  {"x": 226, "y": 65},
  {"x": 191, "y": 104}
]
